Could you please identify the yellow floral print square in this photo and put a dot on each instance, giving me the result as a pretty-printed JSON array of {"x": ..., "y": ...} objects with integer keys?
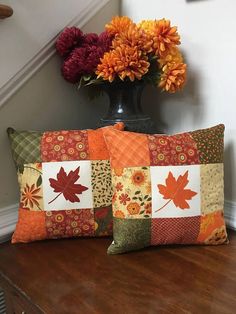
[
  {"x": 30, "y": 181},
  {"x": 132, "y": 192}
]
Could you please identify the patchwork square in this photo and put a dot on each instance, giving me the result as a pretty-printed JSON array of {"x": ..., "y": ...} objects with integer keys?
[
  {"x": 175, "y": 191},
  {"x": 132, "y": 198},
  {"x": 65, "y": 184},
  {"x": 172, "y": 196}
]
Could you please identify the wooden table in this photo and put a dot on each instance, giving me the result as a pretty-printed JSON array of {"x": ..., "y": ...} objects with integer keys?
[{"x": 77, "y": 276}]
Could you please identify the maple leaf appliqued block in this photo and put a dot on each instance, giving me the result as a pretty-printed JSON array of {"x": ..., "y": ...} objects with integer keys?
[
  {"x": 175, "y": 191},
  {"x": 67, "y": 185}
]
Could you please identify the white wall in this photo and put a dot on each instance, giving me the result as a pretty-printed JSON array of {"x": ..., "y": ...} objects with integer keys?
[
  {"x": 45, "y": 102},
  {"x": 207, "y": 30}
]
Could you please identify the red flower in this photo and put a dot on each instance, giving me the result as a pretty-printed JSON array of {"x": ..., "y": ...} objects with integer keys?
[
  {"x": 71, "y": 37},
  {"x": 82, "y": 61},
  {"x": 119, "y": 186},
  {"x": 90, "y": 39},
  {"x": 124, "y": 198},
  {"x": 105, "y": 41}
]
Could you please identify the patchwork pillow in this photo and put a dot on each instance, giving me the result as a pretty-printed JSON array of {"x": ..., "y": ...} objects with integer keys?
[
  {"x": 167, "y": 189},
  {"x": 65, "y": 184}
]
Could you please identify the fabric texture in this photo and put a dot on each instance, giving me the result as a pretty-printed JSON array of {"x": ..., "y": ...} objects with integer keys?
[
  {"x": 167, "y": 189},
  {"x": 65, "y": 184}
]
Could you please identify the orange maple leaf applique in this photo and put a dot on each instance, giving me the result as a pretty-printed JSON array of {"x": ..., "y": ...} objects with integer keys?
[{"x": 175, "y": 191}]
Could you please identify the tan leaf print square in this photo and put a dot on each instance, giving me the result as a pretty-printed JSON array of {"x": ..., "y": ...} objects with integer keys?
[
  {"x": 101, "y": 183},
  {"x": 212, "y": 188}
]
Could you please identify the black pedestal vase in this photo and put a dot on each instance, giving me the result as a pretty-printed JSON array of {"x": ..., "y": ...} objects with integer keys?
[{"x": 124, "y": 106}]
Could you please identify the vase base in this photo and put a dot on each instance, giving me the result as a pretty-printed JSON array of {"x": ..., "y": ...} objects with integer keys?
[{"x": 140, "y": 125}]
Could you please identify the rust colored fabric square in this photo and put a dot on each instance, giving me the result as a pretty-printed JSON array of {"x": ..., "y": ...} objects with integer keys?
[
  {"x": 168, "y": 187},
  {"x": 65, "y": 184}
]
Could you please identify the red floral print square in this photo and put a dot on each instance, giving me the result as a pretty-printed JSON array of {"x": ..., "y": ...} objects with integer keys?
[
  {"x": 64, "y": 145},
  {"x": 180, "y": 149},
  {"x": 70, "y": 223}
]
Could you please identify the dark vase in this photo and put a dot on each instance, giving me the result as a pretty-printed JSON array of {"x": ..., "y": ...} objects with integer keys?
[{"x": 125, "y": 106}]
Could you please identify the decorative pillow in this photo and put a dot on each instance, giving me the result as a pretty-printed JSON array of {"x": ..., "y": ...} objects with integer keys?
[
  {"x": 65, "y": 184},
  {"x": 167, "y": 189}
]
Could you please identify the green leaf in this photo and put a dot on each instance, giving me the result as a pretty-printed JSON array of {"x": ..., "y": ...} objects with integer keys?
[
  {"x": 142, "y": 204},
  {"x": 140, "y": 198},
  {"x": 137, "y": 192},
  {"x": 21, "y": 168},
  {"x": 149, "y": 199},
  {"x": 146, "y": 216},
  {"x": 142, "y": 212},
  {"x": 135, "y": 198},
  {"x": 39, "y": 181}
]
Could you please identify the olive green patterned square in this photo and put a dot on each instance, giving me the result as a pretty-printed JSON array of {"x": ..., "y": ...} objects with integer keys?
[
  {"x": 210, "y": 144},
  {"x": 130, "y": 234},
  {"x": 25, "y": 146}
]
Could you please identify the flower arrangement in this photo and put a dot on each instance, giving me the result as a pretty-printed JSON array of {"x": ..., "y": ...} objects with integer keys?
[{"x": 124, "y": 52}]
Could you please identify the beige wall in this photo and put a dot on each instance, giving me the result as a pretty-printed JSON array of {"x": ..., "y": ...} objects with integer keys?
[{"x": 46, "y": 102}]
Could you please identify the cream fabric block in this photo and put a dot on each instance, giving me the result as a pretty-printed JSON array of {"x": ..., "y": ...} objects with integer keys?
[{"x": 212, "y": 188}]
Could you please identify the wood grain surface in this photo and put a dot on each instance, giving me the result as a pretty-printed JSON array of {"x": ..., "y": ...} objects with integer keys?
[{"x": 77, "y": 276}]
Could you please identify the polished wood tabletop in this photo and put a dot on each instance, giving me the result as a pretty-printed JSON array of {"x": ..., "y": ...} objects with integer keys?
[{"x": 77, "y": 276}]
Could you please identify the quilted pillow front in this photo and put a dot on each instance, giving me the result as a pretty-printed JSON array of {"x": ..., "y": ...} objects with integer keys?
[
  {"x": 167, "y": 189},
  {"x": 65, "y": 184}
]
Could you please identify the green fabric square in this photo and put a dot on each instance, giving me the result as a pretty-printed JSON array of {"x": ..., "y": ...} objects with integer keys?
[
  {"x": 130, "y": 234},
  {"x": 25, "y": 146}
]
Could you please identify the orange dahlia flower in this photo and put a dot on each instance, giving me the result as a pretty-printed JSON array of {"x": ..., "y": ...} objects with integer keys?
[
  {"x": 118, "y": 24},
  {"x": 173, "y": 77},
  {"x": 147, "y": 25},
  {"x": 134, "y": 36},
  {"x": 172, "y": 56},
  {"x": 164, "y": 36},
  {"x": 124, "y": 61}
]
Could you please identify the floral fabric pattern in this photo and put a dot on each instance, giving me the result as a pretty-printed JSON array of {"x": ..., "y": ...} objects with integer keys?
[
  {"x": 64, "y": 145},
  {"x": 101, "y": 183},
  {"x": 30, "y": 181},
  {"x": 103, "y": 221},
  {"x": 132, "y": 193},
  {"x": 169, "y": 150},
  {"x": 69, "y": 223}
]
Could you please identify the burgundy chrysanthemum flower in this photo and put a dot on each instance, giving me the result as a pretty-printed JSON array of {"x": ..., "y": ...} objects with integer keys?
[
  {"x": 82, "y": 61},
  {"x": 70, "y": 38},
  {"x": 93, "y": 58},
  {"x": 90, "y": 39},
  {"x": 105, "y": 41},
  {"x": 73, "y": 67}
]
